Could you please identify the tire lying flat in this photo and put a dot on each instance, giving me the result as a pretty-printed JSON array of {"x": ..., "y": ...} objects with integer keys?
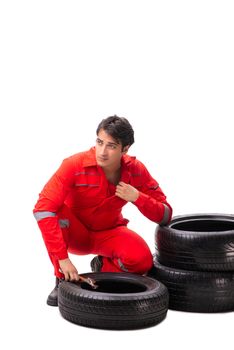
[
  {"x": 195, "y": 291},
  {"x": 199, "y": 242},
  {"x": 121, "y": 301}
]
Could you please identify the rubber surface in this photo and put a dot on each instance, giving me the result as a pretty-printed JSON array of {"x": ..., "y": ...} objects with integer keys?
[
  {"x": 196, "y": 291},
  {"x": 122, "y": 301},
  {"x": 199, "y": 242}
]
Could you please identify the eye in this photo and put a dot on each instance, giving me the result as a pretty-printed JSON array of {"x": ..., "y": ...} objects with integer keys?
[
  {"x": 99, "y": 142},
  {"x": 111, "y": 146}
]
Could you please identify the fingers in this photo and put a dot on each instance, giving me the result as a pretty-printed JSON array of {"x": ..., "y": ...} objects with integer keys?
[
  {"x": 121, "y": 189},
  {"x": 126, "y": 192},
  {"x": 71, "y": 276},
  {"x": 69, "y": 270},
  {"x": 74, "y": 276}
]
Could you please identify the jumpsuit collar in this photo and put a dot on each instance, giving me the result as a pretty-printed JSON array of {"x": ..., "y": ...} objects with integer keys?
[{"x": 90, "y": 158}]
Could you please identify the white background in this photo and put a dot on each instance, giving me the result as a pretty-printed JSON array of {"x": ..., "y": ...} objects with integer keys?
[{"x": 168, "y": 67}]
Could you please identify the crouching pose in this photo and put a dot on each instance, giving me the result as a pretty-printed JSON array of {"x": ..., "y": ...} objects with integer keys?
[{"x": 79, "y": 208}]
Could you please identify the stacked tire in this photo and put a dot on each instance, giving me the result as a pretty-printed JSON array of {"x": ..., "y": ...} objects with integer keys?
[{"x": 194, "y": 259}]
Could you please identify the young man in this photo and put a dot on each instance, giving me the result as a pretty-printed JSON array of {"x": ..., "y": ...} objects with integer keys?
[{"x": 79, "y": 209}]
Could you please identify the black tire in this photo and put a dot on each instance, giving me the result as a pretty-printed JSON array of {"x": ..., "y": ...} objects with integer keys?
[
  {"x": 194, "y": 291},
  {"x": 122, "y": 301},
  {"x": 197, "y": 242}
]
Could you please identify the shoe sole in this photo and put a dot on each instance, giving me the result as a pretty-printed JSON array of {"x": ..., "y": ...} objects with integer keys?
[{"x": 52, "y": 302}]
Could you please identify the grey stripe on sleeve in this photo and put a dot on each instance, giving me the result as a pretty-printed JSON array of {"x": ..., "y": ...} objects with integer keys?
[
  {"x": 165, "y": 216},
  {"x": 64, "y": 223},
  {"x": 39, "y": 215}
]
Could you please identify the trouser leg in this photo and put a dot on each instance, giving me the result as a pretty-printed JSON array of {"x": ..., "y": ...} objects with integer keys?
[{"x": 123, "y": 250}]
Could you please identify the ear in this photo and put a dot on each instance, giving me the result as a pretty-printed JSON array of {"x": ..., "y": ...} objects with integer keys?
[{"x": 125, "y": 149}]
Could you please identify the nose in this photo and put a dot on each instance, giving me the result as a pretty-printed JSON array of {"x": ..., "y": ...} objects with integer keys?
[{"x": 103, "y": 150}]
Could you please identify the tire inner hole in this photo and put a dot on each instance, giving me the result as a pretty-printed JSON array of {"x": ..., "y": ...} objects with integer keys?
[
  {"x": 119, "y": 287},
  {"x": 204, "y": 225}
]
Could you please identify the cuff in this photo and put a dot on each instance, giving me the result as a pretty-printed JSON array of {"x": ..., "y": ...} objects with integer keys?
[
  {"x": 60, "y": 255},
  {"x": 141, "y": 199}
]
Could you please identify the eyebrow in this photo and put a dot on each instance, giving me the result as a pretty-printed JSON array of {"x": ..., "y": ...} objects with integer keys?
[{"x": 109, "y": 143}]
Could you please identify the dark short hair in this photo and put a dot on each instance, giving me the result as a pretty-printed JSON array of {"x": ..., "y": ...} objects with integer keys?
[{"x": 118, "y": 128}]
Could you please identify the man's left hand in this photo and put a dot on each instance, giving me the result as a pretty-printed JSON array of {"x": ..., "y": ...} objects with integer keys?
[{"x": 126, "y": 192}]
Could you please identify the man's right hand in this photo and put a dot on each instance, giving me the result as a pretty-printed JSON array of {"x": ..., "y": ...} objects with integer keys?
[{"x": 69, "y": 270}]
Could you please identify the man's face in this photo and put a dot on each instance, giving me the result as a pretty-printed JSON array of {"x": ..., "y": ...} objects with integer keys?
[{"x": 108, "y": 151}]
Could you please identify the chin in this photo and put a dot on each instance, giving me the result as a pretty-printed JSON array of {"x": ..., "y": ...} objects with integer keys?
[{"x": 101, "y": 163}]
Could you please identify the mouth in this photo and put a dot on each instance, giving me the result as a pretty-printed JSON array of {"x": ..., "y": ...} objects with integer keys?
[{"x": 102, "y": 159}]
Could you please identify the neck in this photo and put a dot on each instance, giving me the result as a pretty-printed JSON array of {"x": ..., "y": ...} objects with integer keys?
[
  {"x": 113, "y": 175},
  {"x": 112, "y": 169}
]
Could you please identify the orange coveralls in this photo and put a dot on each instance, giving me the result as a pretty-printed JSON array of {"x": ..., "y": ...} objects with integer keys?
[{"x": 78, "y": 212}]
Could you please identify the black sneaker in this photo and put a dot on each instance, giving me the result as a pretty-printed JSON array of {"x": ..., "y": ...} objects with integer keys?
[
  {"x": 96, "y": 263},
  {"x": 52, "y": 299}
]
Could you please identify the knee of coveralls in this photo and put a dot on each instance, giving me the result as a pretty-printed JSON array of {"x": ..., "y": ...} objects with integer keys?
[
  {"x": 140, "y": 263},
  {"x": 140, "y": 266},
  {"x": 123, "y": 250},
  {"x": 135, "y": 256}
]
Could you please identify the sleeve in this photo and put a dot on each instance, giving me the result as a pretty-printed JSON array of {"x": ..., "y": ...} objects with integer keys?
[
  {"x": 50, "y": 201},
  {"x": 152, "y": 202}
]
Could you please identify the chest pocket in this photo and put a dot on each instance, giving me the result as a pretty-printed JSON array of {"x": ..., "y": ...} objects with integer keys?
[
  {"x": 136, "y": 180},
  {"x": 87, "y": 190}
]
